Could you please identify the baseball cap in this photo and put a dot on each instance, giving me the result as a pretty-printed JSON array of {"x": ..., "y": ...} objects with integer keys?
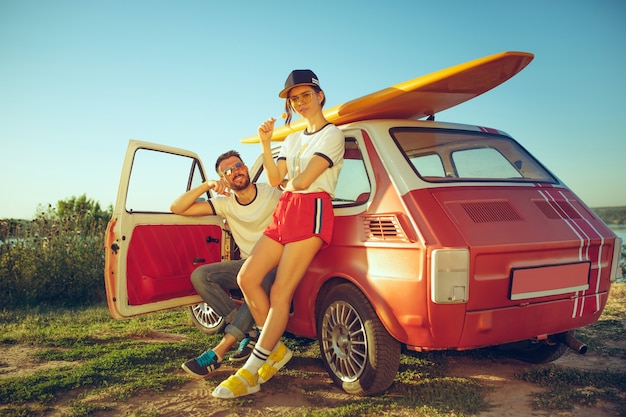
[{"x": 299, "y": 77}]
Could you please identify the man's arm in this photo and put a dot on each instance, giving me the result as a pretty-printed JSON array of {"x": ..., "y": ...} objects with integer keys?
[{"x": 187, "y": 205}]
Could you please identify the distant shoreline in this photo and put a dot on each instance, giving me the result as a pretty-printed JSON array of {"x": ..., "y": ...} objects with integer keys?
[{"x": 612, "y": 216}]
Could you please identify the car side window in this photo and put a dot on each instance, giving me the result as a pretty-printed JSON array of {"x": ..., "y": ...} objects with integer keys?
[
  {"x": 158, "y": 178},
  {"x": 353, "y": 186}
]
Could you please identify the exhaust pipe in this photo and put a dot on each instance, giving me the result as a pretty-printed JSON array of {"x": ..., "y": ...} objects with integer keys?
[{"x": 571, "y": 342}]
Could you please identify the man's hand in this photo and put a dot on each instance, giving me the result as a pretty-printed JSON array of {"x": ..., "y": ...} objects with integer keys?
[{"x": 220, "y": 187}]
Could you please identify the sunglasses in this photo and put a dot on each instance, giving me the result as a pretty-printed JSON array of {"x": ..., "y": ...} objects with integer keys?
[
  {"x": 303, "y": 98},
  {"x": 228, "y": 171}
]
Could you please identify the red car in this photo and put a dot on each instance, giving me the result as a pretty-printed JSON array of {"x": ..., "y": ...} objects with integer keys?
[{"x": 446, "y": 236}]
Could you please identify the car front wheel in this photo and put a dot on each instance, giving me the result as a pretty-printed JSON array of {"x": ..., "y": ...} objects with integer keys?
[
  {"x": 357, "y": 351},
  {"x": 205, "y": 318}
]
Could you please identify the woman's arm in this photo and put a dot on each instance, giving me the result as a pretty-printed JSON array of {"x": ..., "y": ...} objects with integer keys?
[
  {"x": 275, "y": 171},
  {"x": 330, "y": 149},
  {"x": 314, "y": 169}
]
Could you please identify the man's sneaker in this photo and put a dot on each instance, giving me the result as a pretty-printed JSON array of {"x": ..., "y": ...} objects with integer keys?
[
  {"x": 245, "y": 349},
  {"x": 277, "y": 359},
  {"x": 203, "y": 365}
]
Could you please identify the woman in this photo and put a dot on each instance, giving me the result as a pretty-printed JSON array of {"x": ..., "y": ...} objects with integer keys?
[{"x": 302, "y": 225}]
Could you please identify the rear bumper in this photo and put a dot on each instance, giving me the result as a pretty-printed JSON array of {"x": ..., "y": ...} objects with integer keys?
[{"x": 531, "y": 321}]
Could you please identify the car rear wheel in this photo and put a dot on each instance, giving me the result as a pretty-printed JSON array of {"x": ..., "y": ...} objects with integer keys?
[
  {"x": 205, "y": 318},
  {"x": 357, "y": 351}
]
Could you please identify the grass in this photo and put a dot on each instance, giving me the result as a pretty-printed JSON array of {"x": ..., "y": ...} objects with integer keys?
[
  {"x": 568, "y": 387},
  {"x": 107, "y": 360},
  {"x": 104, "y": 361},
  {"x": 421, "y": 388}
]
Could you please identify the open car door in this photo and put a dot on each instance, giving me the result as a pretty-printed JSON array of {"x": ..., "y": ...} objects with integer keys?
[{"x": 151, "y": 252}]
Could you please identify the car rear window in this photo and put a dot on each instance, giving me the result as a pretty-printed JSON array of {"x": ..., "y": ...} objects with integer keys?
[{"x": 459, "y": 155}]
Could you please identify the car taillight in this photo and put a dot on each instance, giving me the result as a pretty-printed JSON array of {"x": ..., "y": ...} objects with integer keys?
[
  {"x": 449, "y": 276},
  {"x": 616, "y": 270}
]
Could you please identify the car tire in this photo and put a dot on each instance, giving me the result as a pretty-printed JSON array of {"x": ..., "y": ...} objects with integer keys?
[
  {"x": 359, "y": 354},
  {"x": 205, "y": 318}
]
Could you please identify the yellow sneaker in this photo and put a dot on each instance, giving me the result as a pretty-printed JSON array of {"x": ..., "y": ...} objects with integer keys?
[
  {"x": 277, "y": 359},
  {"x": 238, "y": 385}
]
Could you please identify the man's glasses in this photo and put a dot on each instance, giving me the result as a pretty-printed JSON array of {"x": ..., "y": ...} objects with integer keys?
[
  {"x": 228, "y": 171},
  {"x": 303, "y": 98}
]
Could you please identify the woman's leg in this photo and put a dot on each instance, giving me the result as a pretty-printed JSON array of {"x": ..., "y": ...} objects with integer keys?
[
  {"x": 294, "y": 262},
  {"x": 295, "y": 259},
  {"x": 264, "y": 257}
]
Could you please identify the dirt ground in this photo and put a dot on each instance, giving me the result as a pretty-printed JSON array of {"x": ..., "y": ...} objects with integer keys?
[{"x": 286, "y": 395}]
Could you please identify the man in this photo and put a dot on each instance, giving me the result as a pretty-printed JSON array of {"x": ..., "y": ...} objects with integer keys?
[{"x": 248, "y": 209}]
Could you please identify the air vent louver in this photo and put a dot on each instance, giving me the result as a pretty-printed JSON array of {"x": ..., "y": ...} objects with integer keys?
[
  {"x": 383, "y": 228},
  {"x": 491, "y": 211}
]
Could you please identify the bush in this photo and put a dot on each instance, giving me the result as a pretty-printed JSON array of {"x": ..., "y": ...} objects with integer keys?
[{"x": 56, "y": 259}]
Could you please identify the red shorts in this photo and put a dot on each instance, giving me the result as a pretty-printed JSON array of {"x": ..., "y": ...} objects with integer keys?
[{"x": 300, "y": 216}]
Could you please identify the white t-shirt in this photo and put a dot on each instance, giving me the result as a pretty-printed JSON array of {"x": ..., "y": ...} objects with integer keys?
[
  {"x": 299, "y": 147},
  {"x": 248, "y": 222}
]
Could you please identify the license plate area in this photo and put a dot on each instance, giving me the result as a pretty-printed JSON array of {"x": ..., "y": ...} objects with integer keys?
[{"x": 549, "y": 280}]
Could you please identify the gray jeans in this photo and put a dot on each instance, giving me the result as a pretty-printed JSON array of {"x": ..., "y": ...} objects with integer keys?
[{"x": 212, "y": 282}]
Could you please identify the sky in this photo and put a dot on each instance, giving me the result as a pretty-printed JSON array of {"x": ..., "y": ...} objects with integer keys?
[{"x": 78, "y": 79}]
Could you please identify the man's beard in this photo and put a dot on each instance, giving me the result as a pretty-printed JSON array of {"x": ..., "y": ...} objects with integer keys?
[{"x": 242, "y": 186}]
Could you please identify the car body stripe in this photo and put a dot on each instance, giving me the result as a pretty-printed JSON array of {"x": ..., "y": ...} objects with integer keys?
[{"x": 584, "y": 234}]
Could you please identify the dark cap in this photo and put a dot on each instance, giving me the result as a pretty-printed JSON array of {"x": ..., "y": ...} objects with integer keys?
[{"x": 299, "y": 77}]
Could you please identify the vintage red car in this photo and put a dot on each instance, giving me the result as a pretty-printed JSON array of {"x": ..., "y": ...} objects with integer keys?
[{"x": 447, "y": 236}]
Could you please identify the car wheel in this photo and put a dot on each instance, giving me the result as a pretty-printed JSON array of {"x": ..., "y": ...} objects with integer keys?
[
  {"x": 357, "y": 351},
  {"x": 205, "y": 318}
]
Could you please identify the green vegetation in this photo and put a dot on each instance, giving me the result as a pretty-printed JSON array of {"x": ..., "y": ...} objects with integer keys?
[
  {"x": 104, "y": 362},
  {"x": 55, "y": 259},
  {"x": 421, "y": 388},
  {"x": 107, "y": 360},
  {"x": 568, "y": 387}
]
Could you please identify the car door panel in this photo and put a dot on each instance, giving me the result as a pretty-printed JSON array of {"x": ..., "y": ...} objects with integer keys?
[
  {"x": 150, "y": 251},
  {"x": 162, "y": 257}
]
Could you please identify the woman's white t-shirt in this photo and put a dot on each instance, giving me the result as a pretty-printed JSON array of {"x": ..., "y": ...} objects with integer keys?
[{"x": 299, "y": 147}]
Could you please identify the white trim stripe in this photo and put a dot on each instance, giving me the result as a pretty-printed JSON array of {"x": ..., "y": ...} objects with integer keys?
[
  {"x": 585, "y": 245},
  {"x": 544, "y": 293},
  {"x": 599, "y": 260},
  {"x": 317, "y": 222}
]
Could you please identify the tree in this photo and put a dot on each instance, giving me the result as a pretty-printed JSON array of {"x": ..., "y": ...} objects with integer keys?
[{"x": 82, "y": 207}]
